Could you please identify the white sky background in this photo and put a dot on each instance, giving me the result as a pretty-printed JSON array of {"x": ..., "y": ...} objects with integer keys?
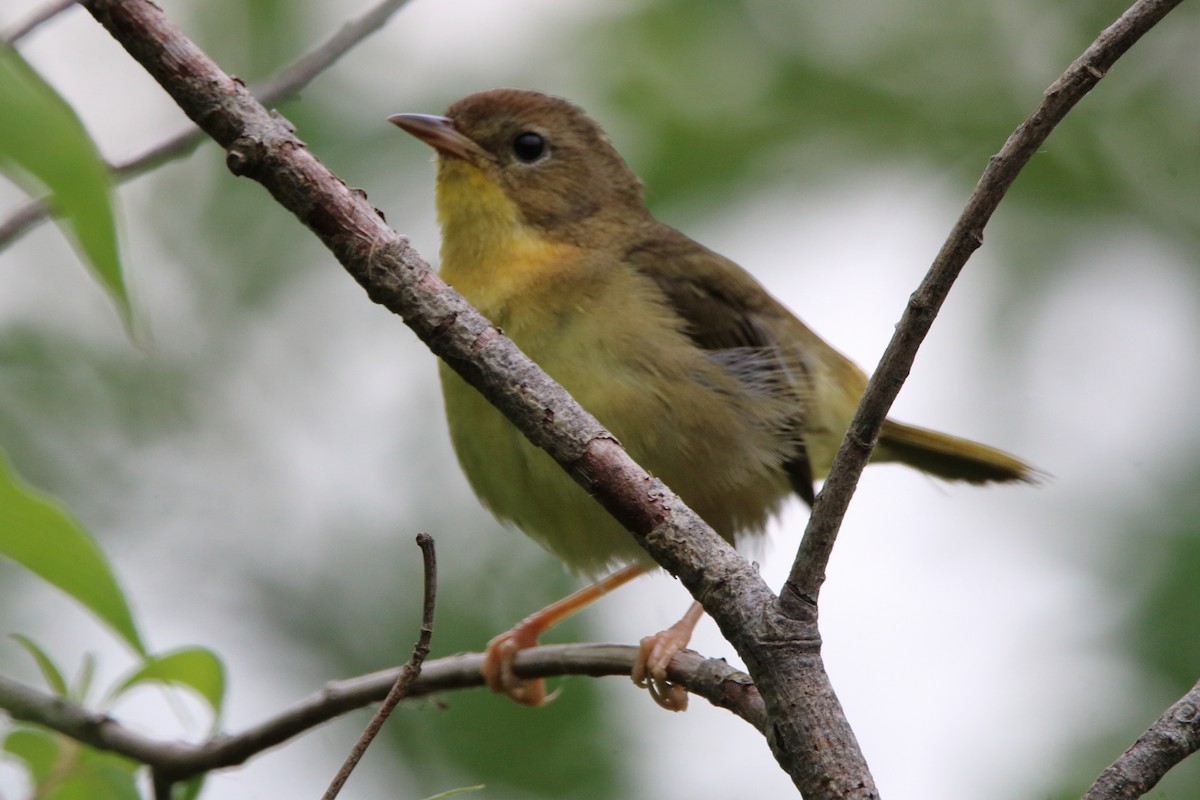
[{"x": 964, "y": 631}]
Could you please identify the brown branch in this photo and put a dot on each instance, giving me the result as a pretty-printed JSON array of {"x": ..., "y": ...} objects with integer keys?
[
  {"x": 808, "y": 570},
  {"x": 712, "y": 679},
  {"x": 404, "y": 680},
  {"x": 282, "y": 84},
  {"x": 24, "y": 218},
  {"x": 1172, "y": 738}
]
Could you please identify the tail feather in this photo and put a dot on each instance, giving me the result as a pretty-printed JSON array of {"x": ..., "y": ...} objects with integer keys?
[{"x": 950, "y": 457}]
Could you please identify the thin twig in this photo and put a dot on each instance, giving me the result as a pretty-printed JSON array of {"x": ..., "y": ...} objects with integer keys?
[
  {"x": 39, "y": 16},
  {"x": 22, "y": 219},
  {"x": 299, "y": 73},
  {"x": 404, "y": 681},
  {"x": 282, "y": 84},
  {"x": 1172, "y": 738},
  {"x": 808, "y": 570}
]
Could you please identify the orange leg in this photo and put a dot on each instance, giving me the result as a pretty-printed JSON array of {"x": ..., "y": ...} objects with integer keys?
[
  {"x": 650, "y": 669},
  {"x": 498, "y": 659}
]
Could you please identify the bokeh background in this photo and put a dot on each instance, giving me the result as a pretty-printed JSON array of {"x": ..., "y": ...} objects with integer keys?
[{"x": 257, "y": 467}]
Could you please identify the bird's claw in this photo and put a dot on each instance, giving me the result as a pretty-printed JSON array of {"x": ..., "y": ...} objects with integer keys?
[
  {"x": 498, "y": 671},
  {"x": 650, "y": 669}
]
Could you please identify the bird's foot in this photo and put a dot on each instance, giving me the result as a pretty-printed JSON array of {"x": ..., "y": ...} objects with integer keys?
[
  {"x": 650, "y": 668},
  {"x": 498, "y": 671}
]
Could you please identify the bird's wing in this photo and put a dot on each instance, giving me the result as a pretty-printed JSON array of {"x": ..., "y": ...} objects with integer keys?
[{"x": 728, "y": 313}]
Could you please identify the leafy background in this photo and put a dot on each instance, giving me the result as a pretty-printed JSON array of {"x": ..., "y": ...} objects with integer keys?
[{"x": 256, "y": 459}]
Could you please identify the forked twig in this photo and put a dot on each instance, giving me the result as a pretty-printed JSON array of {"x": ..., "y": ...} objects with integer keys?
[{"x": 404, "y": 681}]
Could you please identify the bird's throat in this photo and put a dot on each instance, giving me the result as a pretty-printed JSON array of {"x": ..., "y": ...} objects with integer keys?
[{"x": 489, "y": 253}]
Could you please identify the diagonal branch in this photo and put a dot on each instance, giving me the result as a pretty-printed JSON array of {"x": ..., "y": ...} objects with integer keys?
[
  {"x": 808, "y": 570},
  {"x": 713, "y": 679},
  {"x": 1172, "y": 738}
]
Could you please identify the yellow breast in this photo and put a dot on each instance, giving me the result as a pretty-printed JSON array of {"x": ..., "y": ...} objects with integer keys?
[
  {"x": 601, "y": 330},
  {"x": 488, "y": 253}
]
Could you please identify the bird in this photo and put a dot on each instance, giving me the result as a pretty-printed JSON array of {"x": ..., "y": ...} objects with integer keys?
[{"x": 708, "y": 381}]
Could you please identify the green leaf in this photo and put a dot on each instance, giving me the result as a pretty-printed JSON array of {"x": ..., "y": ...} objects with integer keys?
[
  {"x": 42, "y": 139},
  {"x": 92, "y": 774},
  {"x": 63, "y": 769},
  {"x": 37, "y": 533},
  {"x": 97, "y": 774},
  {"x": 37, "y": 748},
  {"x": 53, "y": 677},
  {"x": 189, "y": 789},
  {"x": 194, "y": 667},
  {"x": 83, "y": 679}
]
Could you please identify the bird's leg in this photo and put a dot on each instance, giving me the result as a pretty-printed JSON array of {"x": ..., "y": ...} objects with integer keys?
[
  {"x": 650, "y": 668},
  {"x": 498, "y": 658}
]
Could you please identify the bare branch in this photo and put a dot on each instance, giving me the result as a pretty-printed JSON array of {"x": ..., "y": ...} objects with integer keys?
[
  {"x": 27, "y": 215},
  {"x": 282, "y": 84},
  {"x": 297, "y": 75},
  {"x": 1172, "y": 738},
  {"x": 36, "y": 19},
  {"x": 808, "y": 570},
  {"x": 404, "y": 681},
  {"x": 172, "y": 761}
]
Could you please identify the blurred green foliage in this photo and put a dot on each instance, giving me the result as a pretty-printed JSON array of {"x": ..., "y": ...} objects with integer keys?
[
  {"x": 736, "y": 94},
  {"x": 45, "y": 148},
  {"x": 718, "y": 101}
]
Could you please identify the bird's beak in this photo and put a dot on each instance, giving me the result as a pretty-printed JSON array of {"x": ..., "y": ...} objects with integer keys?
[{"x": 440, "y": 134}]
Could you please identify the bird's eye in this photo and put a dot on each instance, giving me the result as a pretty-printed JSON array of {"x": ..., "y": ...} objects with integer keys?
[{"x": 529, "y": 147}]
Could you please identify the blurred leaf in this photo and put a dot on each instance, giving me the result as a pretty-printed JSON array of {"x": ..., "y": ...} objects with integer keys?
[
  {"x": 37, "y": 748},
  {"x": 42, "y": 138},
  {"x": 53, "y": 677},
  {"x": 94, "y": 774},
  {"x": 83, "y": 680},
  {"x": 194, "y": 667},
  {"x": 62, "y": 769},
  {"x": 190, "y": 789},
  {"x": 38, "y": 534}
]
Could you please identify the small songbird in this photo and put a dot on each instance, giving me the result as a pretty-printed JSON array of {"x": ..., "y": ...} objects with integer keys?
[{"x": 707, "y": 380}]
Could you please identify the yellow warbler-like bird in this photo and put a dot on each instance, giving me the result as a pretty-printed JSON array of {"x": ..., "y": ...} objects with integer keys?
[{"x": 707, "y": 380}]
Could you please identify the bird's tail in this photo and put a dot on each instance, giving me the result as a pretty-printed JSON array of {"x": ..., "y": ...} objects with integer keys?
[{"x": 950, "y": 457}]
